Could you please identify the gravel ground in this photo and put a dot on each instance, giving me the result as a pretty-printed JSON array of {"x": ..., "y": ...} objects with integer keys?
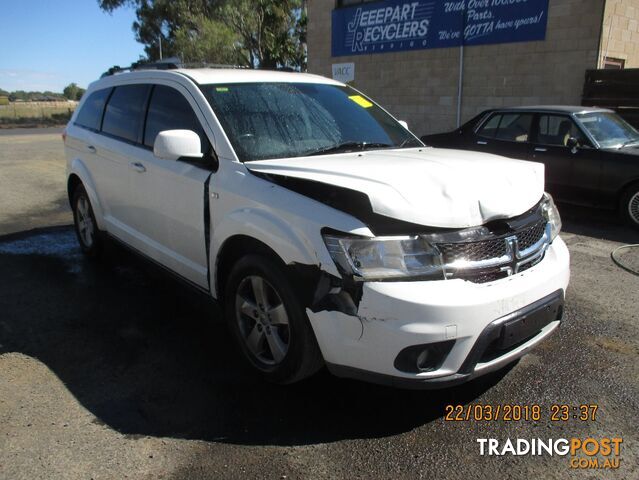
[
  {"x": 113, "y": 370},
  {"x": 32, "y": 179}
]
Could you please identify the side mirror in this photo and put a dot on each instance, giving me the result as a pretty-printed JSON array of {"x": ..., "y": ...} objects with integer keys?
[
  {"x": 176, "y": 144},
  {"x": 403, "y": 124},
  {"x": 572, "y": 143}
]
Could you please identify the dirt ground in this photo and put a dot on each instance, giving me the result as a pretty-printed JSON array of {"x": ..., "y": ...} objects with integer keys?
[
  {"x": 32, "y": 179},
  {"x": 114, "y": 370}
]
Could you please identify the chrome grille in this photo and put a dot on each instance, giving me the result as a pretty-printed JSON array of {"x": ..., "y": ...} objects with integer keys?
[
  {"x": 472, "y": 251},
  {"x": 489, "y": 260},
  {"x": 481, "y": 277},
  {"x": 529, "y": 236}
]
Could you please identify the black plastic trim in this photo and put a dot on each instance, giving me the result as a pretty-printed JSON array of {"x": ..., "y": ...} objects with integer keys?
[
  {"x": 493, "y": 331},
  {"x": 207, "y": 229},
  {"x": 406, "y": 360},
  {"x": 397, "y": 382}
]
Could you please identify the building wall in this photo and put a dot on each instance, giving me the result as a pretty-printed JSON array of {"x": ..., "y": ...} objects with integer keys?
[
  {"x": 420, "y": 86},
  {"x": 620, "y": 34}
]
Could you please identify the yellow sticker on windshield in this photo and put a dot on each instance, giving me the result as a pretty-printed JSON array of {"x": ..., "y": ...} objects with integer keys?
[
  {"x": 361, "y": 101},
  {"x": 221, "y": 89}
]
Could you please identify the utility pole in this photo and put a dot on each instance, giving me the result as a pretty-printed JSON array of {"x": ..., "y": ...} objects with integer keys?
[
  {"x": 160, "y": 42},
  {"x": 460, "y": 81}
]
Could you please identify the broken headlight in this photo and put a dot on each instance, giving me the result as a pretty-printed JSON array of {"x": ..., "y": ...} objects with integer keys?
[
  {"x": 551, "y": 214},
  {"x": 385, "y": 258}
]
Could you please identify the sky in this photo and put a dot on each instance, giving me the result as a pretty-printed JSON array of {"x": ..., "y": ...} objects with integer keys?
[{"x": 48, "y": 44}]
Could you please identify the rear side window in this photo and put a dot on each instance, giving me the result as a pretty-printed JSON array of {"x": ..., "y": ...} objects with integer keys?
[
  {"x": 489, "y": 129},
  {"x": 90, "y": 115},
  {"x": 169, "y": 110},
  {"x": 125, "y": 112},
  {"x": 511, "y": 127}
]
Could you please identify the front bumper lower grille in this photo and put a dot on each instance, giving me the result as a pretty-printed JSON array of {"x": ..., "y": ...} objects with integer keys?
[{"x": 489, "y": 260}]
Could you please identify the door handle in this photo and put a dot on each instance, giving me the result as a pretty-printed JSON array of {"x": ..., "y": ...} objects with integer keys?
[
  {"x": 540, "y": 149},
  {"x": 138, "y": 167},
  {"x": 481, "y": 142},
  {"x": 91, "y": 149}
]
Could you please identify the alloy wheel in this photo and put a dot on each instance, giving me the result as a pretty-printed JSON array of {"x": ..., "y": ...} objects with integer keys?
[
  {"x": 633, "y": 208},
  {"x": 85, "y": 226},
  {"x": 262, "y": 320}
]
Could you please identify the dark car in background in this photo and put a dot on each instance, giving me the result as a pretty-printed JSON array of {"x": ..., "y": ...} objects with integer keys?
[{"x": 591, "y": 154}]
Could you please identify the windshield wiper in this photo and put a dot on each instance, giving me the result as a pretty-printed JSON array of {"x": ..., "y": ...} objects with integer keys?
[
  {"x": 407, "y": 140},
  {"x": 348, "y": 147},
  {"x": 630, "y": 142}
]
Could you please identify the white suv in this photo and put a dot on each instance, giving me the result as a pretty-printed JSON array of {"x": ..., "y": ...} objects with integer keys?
[{"x": 328, "y": 231}]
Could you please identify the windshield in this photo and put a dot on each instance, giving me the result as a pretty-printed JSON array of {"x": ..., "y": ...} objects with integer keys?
[
  {"x": 609, "y": 129},
  {"x": 277, "y": 120}
]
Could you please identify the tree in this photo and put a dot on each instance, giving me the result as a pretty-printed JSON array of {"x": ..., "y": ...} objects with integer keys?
[
  {"x": 161, "y": 19},
  {"x": 81, "y": 92},
  {"x": 207, "y": 41},
  {"x": 267, "y": 30},
  {"x": 73, "y": 92},
  {"x": 255, "y": 33}
]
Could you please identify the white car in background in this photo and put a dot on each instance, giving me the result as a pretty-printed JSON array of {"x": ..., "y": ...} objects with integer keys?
[{"x": 330, "y": 233}]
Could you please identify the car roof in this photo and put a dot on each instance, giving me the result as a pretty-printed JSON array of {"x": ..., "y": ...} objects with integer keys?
[
  {"x": 554, "y": 108},
  {"x": 204, "y": 76},
  {"x": 248, "y": 75}
]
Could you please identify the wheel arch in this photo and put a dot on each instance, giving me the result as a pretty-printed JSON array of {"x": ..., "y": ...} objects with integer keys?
[
  {"x": 79, "y": 175},
  {"x": 72, "y": 183},
  {"x": 231, "y": 251},
  {"x": 626, "y": 187},
  {"x": 305, "y": 276},
  {"x": 623, "y": 194}
]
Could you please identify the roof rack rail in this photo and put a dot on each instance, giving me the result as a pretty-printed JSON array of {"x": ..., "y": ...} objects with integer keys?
[
  {"x": 281, "y": 69},
  {"x": 168, "y": 64},
  {"x": 211, "y": 65},
  {"x": 161, "y": 65}
]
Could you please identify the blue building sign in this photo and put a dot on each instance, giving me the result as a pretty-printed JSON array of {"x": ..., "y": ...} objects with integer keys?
[{"x": 397, "y": 25}]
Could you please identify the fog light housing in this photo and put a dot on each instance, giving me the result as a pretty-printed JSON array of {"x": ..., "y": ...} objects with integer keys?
[{"x": 423, "y": 358}]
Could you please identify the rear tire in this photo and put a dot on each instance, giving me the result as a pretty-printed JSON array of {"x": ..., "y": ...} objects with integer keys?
[
  {"x": 268, "y": 322},
  {"x": 86, "y": 228},
  {"x": 630, "y": 205}
]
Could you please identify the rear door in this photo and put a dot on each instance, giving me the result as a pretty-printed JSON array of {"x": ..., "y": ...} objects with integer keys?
[
  {"x": 84, "y": 142},
  {"x": 506, "y": 134},
  {"x": 118, "y": 149},
  {"x": 170, "y": 195},
  {"x": 571, "y": 174}
]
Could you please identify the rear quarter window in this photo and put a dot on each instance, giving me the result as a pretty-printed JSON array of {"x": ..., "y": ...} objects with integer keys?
[
  {"x": 489, "y": 129},
  {"x": 90, "y": 114}
]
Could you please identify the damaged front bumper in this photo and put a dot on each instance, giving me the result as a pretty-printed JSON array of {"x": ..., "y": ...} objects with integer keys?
[{"x": 468, "y": 329}]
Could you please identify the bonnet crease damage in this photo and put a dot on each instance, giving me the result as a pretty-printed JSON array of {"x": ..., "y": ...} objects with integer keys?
[
  {"x": 357, "y": 204},
  {"x": 349, "y": 201}
]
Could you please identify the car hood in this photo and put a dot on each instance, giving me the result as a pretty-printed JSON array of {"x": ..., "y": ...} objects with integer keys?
[
  {"x": 427, "y": 186},
  {"x": 634, "y": 150}
]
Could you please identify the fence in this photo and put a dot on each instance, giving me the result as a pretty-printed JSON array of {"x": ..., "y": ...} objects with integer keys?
[
  {"x": 30, "y": 112},
  {"x": 615, "y": 89}
]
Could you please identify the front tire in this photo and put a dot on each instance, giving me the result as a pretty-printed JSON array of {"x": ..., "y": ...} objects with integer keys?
[
  {"x": 86, "y": 228},
  {"x": 630, "y": 205},
  {"x": 269, "y": 323}
]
